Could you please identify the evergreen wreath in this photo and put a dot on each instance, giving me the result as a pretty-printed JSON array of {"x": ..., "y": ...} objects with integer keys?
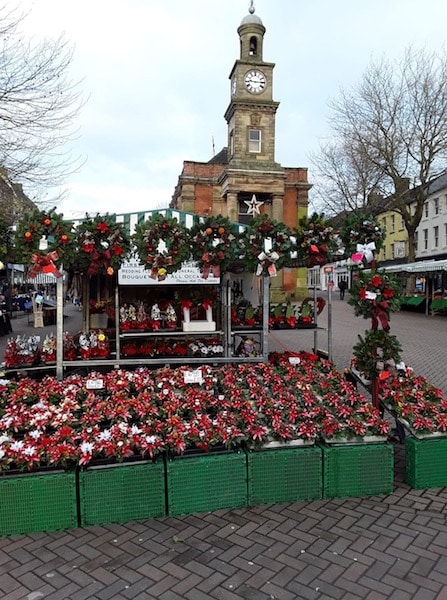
[
  {"x": 266, "y": 257},
  {"x": 361, "y": 228},
  {"x": 377, "y": 346},
  {"x": 374, "y": 294},
  {"x": 214, "y": 245},
  {"x": 315, "y": 241},
  {"x": 162, "y": 245},
  {"x": 44, "y": 228},
  {"x": 103, "y": 245}
]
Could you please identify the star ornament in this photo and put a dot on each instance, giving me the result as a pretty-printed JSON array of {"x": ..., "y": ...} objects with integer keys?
[{"x": 253, "y": 206}]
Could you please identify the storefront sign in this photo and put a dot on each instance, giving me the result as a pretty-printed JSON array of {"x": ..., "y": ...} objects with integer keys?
[{"x": 133, "y": 273}]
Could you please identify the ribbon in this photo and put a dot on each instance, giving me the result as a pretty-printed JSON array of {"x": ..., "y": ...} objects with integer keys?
[
  {"x": 366, "y": 251},
  {"x": 317, "y": 255},
  {"x": 44, "y": 263},
  {"x": 99, "y": 259},
  {"x": 379, "y": 313},
  {"x": 267, "y": 260}
]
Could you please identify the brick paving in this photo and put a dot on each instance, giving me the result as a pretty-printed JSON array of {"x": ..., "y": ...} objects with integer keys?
[{"x": 390, "y": 547}]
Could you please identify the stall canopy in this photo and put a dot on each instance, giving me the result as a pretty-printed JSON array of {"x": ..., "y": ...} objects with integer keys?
[{"x": 423, "y": 266}]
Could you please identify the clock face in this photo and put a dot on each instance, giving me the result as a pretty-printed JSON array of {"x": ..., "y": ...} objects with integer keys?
[{"x": 255, "y": 82}]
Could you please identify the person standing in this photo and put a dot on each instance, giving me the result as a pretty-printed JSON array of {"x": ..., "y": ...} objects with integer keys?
[{"x": 342, "y": 286}]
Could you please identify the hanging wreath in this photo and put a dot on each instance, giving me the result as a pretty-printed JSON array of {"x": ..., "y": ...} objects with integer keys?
[
  {"x": 103, "y": 245},
  {"x": 162, "y": 245},
  {"x": 362, "y": 236},
  {"x": 214, "y": 245},
  {"x": 267, "y": 246},
  {"x": 315, "y": 241},
  {"x": 374, "y": 294},
  {"x": 43, "y": 240},
  {"x": 374, "y": 350}
]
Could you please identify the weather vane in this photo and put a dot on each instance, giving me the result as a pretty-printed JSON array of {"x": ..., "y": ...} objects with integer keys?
[{"x": 251, "y": 10}]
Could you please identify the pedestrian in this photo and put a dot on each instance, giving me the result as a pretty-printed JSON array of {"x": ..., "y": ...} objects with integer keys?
[{"x": 342, "y": 286}]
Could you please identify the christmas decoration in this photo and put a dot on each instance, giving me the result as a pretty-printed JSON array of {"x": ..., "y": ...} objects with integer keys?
[{"x": 162, "y": 245}]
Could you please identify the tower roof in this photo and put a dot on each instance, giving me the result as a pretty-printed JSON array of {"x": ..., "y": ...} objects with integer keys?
[{"x": 251, "y": 17}]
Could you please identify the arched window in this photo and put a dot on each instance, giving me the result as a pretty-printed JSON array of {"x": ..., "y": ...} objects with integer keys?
[{"x": 253, "y": 46}]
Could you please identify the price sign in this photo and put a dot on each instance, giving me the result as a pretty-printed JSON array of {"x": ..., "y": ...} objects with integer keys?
[
  {"x": 330, "y": 284},
  {"x": 193, "y": 376},
  {"x": 94, "y": 384}
]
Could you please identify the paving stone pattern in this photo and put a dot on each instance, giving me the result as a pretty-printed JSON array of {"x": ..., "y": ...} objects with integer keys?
[{"x": 382, "y": 547}]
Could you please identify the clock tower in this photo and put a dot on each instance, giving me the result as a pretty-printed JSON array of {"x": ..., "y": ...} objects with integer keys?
[{"x": 244, "y": 179}]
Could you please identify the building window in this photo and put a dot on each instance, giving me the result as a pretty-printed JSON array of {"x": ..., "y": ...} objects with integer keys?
[
  {"x": 425, "y": 239},
  {"x": 416, "y": 240},
  {"x": 384, "y": 222},
  {"x": 426, "y": 209},
  {"x": 254, "y": 140},
  {"x": 445, "y": 234},
  {"x": 393, "y": 252},
  {"x": 393, "y": 223},
  {"x": 436, "y": 205},
  {"x": 436, "y": 236},
  {"x": 402, "y": 223}
]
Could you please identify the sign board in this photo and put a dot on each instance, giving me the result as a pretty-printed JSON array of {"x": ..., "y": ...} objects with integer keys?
[
  {"x": 133, "y": 273},
  {"x": 330, "y": 284}
]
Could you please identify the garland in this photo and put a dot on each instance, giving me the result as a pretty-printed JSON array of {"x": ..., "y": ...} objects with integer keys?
[
  {"x": 214, "y": 245},
  {"x": 361, "y": 236},
  {"x": 267, "y": 246},
  {"x": 314, "y": 241},
  {"x": 103, "y": 244},
  {"x": 375, "y": 348},
  {"x": 162, "y": 245},
  {"x": 374, "y": 294},
  {"x": 44, "y": 241}
]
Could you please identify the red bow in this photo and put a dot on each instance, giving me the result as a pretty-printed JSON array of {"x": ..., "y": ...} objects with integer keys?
[
  {"x": 44, "y": 263},
  {"x": 317, "y": 255},
  {"x": 380, "y": 313},
  {"x": 98, "y": 259}
]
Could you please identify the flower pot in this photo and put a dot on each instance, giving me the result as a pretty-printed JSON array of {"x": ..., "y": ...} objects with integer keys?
[
  {"x": 37, "y": 502},
  {"x": 284, "y": 475},
  {"x": 120, "y": 492}
]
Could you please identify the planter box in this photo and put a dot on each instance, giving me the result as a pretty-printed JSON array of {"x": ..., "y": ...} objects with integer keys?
[
  {"x": 285, "y": 475},
  {"x": 425, "y": 462},
  {"x": 206, "y": 482},
  {"x": 122, "y": 492},
  {"x": 357, "y": 470},
  {"x": 37, "y": 502}
]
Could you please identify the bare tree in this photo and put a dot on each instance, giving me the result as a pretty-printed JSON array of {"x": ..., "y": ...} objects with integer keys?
[
  {"x": 395, "y": 122},
  {"x": 38, "y": 108}
]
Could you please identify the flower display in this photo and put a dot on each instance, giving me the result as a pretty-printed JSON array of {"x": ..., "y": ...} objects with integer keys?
[
  {"x": 43, "y": 241},
  {"x": 361, "y": 236},
  {"x": 266, "y": 245},
  {"x": 103, "y": 245},
  {"x": 315, "y": 241},
  {"x": 374, "y": 294},
  {"x": 93, "y": 344},
  {"x": 122, "y": 414},
  {"x": 23, "y": 350},
  {"x": 417, "y": 403},
  {"x": 214, "y": 245},
  {"x": 374, "y": 350},
  {"x": 162, "y": 245}
]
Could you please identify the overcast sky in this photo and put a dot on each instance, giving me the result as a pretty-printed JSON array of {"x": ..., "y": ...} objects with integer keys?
[{"x": 155, "y": 73}]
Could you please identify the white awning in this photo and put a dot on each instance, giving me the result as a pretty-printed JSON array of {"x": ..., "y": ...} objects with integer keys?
[{"x": 427, "y": 266}]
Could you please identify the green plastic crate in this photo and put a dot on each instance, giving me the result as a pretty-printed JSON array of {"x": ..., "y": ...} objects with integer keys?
[
  {"x": 122, "y": 492},
  {"x": 37, "y": 502},
  {"x": 206, "y": 482},
  {"x": 357, "y": 470},
  {"x": 285, "y": 475},
  {"x": 425, "y": 462}
]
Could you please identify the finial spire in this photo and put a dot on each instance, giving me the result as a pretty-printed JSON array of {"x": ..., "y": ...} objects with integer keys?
[{"x": 251, "y": 10}]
